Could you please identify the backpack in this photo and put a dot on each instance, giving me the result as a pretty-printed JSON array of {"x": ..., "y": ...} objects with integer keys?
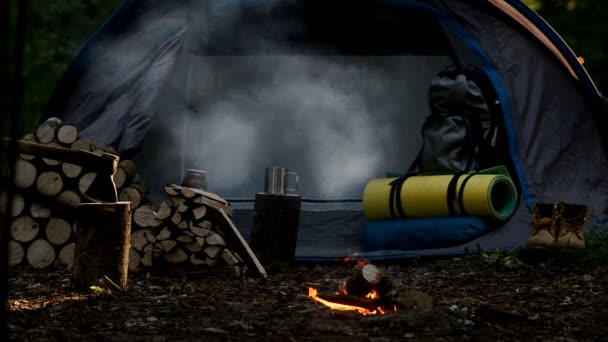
[{"x": 462, "y": 132}]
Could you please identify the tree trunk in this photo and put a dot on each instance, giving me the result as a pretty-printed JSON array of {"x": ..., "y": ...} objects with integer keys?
[{"x": 102, "y": 244}]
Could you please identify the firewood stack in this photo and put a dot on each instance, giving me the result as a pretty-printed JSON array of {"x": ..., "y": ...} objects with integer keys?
[
  {"x": 49, "y": 191},
  {"x": 190, "y": 232}
]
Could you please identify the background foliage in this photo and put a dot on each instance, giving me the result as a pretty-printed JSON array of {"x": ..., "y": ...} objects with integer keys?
[{"x": 58, "y": 28}]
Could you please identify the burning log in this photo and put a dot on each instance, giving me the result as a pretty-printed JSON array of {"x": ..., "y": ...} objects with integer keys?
[{"x": 365, "y": 279}]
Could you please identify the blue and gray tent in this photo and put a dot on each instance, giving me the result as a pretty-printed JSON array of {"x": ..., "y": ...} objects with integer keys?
[{"x": 336, "y": 91}]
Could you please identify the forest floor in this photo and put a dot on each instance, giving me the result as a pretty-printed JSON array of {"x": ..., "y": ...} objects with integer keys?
[{"x": 482, "y": 297}]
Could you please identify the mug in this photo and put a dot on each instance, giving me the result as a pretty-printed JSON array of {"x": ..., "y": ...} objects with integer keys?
[
  {"x": 196, "y": 179},
  {"x": 276, "y": 181}
]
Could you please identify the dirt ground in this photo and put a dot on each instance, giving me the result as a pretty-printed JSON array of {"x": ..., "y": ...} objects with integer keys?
[{"x": 488, "y": 297}]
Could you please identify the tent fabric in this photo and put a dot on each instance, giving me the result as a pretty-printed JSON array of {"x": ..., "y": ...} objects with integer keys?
[{"x": 235, "y": 86}]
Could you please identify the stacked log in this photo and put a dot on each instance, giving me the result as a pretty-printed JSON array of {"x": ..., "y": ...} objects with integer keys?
[
  {"x": 189, "y": 232},
  {"x": 48, "y": 193}
]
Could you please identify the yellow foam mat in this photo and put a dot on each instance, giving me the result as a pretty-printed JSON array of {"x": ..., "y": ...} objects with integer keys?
[{"x": 426, "y": 196}]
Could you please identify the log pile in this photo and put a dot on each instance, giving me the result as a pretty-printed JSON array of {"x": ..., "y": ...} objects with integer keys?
[
  {"x": 48, "y": 192},
  {"x": 190, "y": 232}
]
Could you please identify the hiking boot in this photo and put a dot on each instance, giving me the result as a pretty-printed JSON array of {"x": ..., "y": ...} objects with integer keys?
[
  {"x": 572, "y": 225},
  {"x": 545, "y": 222}
]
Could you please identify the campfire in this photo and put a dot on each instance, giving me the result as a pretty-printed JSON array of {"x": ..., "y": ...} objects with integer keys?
[{"x": 367, "y": 291}]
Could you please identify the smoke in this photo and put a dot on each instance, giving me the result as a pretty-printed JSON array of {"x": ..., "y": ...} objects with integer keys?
[
  {"x": 311, "y": 114},
  {"x": 337, "y": 121}
]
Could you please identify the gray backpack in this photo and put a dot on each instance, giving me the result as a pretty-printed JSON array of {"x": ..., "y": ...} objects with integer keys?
[{"x": 460, "y": 125}]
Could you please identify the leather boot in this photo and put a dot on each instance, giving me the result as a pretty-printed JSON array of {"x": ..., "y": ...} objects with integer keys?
[
  {"x": 545, "y": 225},
  {"x": 572, "y": 225}
]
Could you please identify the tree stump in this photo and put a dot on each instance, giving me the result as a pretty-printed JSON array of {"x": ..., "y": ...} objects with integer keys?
[
  {"x": 103, "y": 237},
  {"x": 275, "y": 227}
]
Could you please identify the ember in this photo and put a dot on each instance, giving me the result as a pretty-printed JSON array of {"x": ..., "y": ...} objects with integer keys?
[{"x": 313, "y": 293}]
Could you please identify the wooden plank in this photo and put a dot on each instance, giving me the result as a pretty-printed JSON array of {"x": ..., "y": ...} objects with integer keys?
[{"x": 246, "y": 253}]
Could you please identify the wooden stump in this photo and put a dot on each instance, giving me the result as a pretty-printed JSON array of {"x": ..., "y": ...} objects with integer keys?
[
  {"x": 102, "y": 244},
  {"x": 275, "y": 227}
]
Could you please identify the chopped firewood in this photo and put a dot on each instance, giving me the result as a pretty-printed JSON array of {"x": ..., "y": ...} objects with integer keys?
[
  {"x": 58, "y": 231},
  {"x": 82, "y": 144},
  {"x": 157, "y": 252},
  {"x": 143, "y": 215},
  {"x": 193, "y": 247},
  {"x": 138, "y": 239},
  {"x": 24, "y": 229},
  {"x": 69, "y": 198},
  {"x": 134, "y": 259},
  {"x": 15, "y": 253},
  {"x": 168, "y": 245},
  {"x": 85, "y": 181},
  {"x": 154, "y": 223},
  {"x": 217, "y": 205},
  {"x": 178, "y": 200},
  {"x": 25, "y": 174},
  {"x": 183, "y": 225},
  {"x": 176, "y": 256},
  {"x": 199, "y": 212},
  {"x": 66, "y": 255},
  {"x": 38, "y": 210},
  {"x": 149, "y": 247},
  {"x": 229, "y": 257},
  {"x": 149, "y": 236},
  {"x": 40, "y": 254},
  {"x": 196, "y": 261},
  {"x": 71, "y": 170},
  {"x": 52, "y": 162},
  {"x": 146, "y": 260},
  {"x": 164, "y": 211},
  {"x": 206, "y": 224},
  {"x": 67, "y": 134},
  {"x": 210, "y": 261},
  {"x": 187, "y": 192},
  {"x": 215, "y": 239},
  {"x": 184, "y": 239},
  {"x": 46, "y": 132},
  {"x": 202, "y": 232},
  {"x": 132, "y": 194},
  {"x": 172, "y": 190},
  {"x": 212, "y": 251},
  {"x": 200, "y": 241},
  {"x": 176, "y": 218},
  {"x": 49, "y": 183},
  {"x": 164, "y": 234},
  {"x": 124, "y": 173}
]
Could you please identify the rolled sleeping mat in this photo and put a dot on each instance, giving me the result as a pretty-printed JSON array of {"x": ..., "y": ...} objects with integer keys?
[
  {"x": 482, "y": 195},
  {"x": 421, "y": 233}
]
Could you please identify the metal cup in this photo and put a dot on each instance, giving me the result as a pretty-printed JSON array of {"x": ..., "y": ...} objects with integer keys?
[
  {"x": 276, "y": 181},
  {"x": 196, "y": 179}
]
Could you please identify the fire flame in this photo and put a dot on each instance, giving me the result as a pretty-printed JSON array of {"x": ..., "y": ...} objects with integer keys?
[{"x": 312, "y": 293}]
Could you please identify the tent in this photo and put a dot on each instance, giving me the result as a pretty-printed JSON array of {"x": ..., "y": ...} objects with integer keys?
[{"x": 335, "y": 91}]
